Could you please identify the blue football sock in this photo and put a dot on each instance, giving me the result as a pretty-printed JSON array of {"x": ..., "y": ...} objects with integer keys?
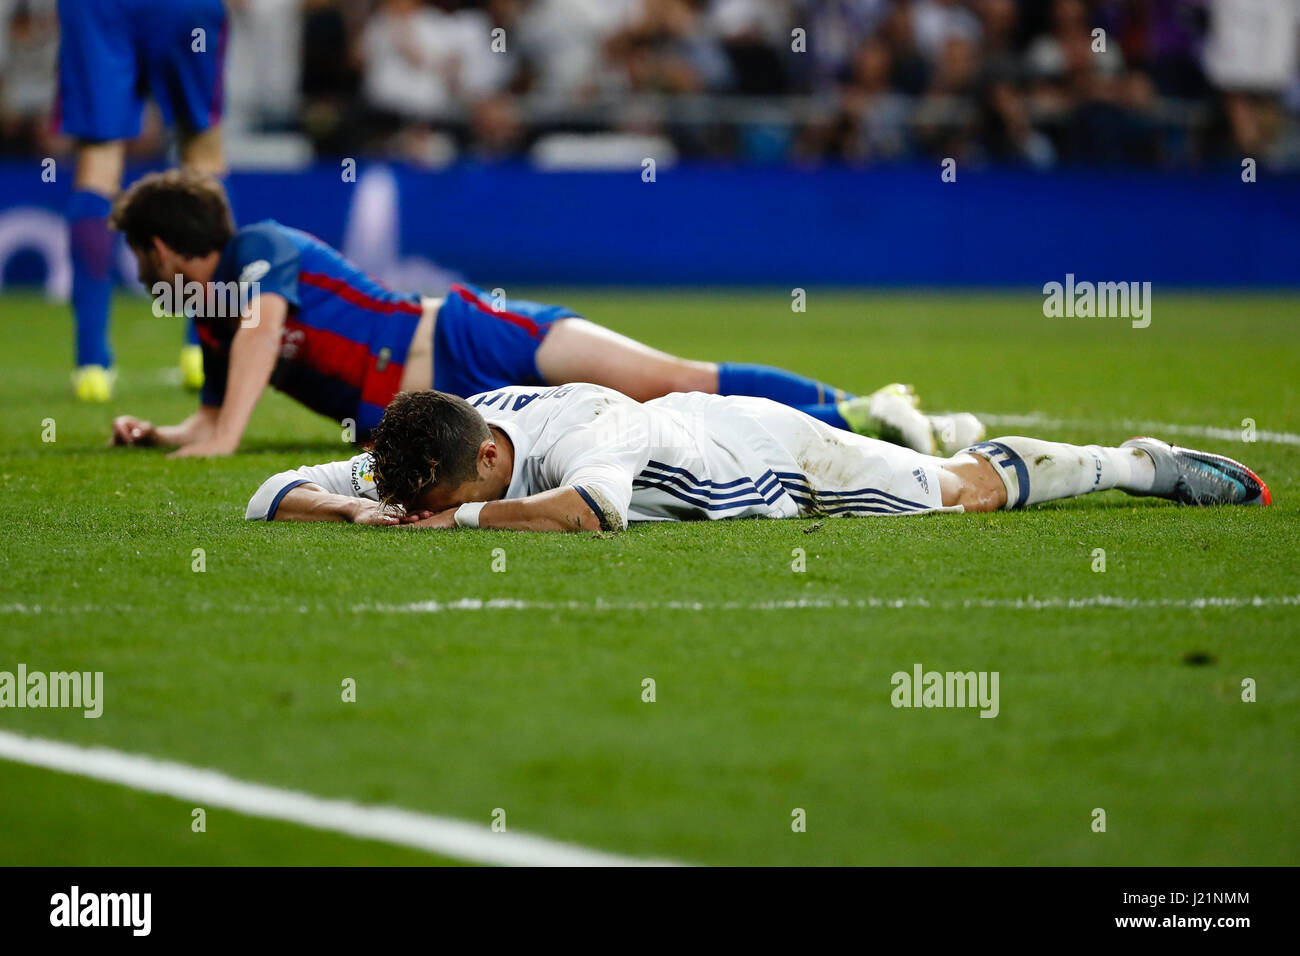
[
  {"x": 828, "y": 412},
  {"x": 92, "y": 285},
  {"x": 764, "y": 381}
]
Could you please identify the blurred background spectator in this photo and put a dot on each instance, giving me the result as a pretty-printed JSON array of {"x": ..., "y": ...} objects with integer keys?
[
  {"x": 1155, "y": 83},
  {"x": 29, "y": 51}
]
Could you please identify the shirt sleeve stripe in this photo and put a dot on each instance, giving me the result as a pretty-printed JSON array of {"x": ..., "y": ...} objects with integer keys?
[
  {"x": 279, "y": 495},
  {"x": 591, "y": 503}
]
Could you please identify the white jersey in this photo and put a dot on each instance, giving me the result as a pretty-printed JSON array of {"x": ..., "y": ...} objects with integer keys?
[{"x": 686, "y": 456}]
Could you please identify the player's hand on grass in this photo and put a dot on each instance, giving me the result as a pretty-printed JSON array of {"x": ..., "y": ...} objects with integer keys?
[
  {"x": 429, "y": 519},
  {"x": 364, "y": 511},
  {"x": 129, "y": 430}
]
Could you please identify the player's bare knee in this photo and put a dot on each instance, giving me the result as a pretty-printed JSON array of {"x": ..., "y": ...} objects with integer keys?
[
  {"x": 970, "y": 481},
  {"x": 203, "y": 151},
  {"x": 976, "y": 497},
  {"x": 99, "y": 167}
]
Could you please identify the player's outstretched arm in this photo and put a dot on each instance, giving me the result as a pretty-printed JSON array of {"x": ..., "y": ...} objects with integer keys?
[
  {"x": 560, "y": 509},
  {"x": 313, "y": 503},
  {"x": 253, "y": 354},
  {"x": 129, "y": 430},
  {"x": 336, "y": 491}
]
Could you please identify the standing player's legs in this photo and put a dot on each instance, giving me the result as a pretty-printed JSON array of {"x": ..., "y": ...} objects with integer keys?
[
  {"x": 97, "y": 180},
  {"x": 203, "y": 151},
  {"x": 185, "y": 46},
  {"x": 577, "y": 350},
  {"x": 105, "y": 46},
  {"x": 99, "y": 104}
]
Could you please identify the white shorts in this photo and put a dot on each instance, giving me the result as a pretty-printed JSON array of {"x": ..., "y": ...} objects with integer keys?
[{"x": 793, "y": 464}]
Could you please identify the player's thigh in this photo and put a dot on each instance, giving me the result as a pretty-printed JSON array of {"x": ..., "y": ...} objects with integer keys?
[
  {"x": 577, "y": 350},
  {"x": 186, "y": 45},
  {"x": 844, "y": 473},
  {"x": 99, "y": 72}
]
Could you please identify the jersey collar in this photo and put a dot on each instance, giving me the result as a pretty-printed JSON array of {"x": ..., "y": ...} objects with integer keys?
[{"x": 521, "y": 449}]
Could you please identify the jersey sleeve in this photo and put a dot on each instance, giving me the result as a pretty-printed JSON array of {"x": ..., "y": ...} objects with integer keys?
[
  {"x": 354, "y": 478},
  {"x": 264, "y": 255},
  {"x": 600, "y": 459}
]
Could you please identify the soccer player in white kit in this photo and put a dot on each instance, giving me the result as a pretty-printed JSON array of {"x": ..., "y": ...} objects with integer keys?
[{"x": 586, "y": 458}]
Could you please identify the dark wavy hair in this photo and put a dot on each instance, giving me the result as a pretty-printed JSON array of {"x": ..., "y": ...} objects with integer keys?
[
  {"x": 424, "y": 439},
  {"x": 184, "y": 208}
]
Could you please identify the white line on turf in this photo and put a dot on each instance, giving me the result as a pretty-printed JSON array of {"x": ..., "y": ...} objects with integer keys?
[
  {"x": 1019, "y": 604},
  {"x": 456, "y": 839},
  {"x": 1137, "y": 427},
  {"x": 600, "y": 605}
]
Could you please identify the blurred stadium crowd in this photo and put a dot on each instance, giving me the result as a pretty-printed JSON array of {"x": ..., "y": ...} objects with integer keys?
[{"x": 1167, "y": 83}]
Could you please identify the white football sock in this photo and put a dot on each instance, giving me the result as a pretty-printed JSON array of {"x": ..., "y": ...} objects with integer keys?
[{"x": 1034, "y": 470}]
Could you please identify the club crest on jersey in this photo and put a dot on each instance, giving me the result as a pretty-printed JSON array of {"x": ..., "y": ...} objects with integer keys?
[
  {"x": 363, "y": 478},
  {"x": 255, "y": 270},
  {"x": 291, "y": 342}
]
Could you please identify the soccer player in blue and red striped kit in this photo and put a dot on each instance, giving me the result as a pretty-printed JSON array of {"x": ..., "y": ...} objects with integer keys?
[{"x": 310, "y": 324}]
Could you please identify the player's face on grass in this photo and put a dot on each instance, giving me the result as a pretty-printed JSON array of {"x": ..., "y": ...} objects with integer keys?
[
  {"x": 444, "y": 496},
  {"x": 494, "y": 473}
]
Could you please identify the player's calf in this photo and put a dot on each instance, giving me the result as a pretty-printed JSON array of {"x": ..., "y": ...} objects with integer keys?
[{"x": 1031, "y": 471}]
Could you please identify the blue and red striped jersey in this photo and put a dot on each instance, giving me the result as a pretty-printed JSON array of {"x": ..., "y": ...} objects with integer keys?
[{"x": 346, "y": 336}]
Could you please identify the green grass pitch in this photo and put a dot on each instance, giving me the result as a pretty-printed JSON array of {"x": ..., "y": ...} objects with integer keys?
[{"x": 758, "y": 711}]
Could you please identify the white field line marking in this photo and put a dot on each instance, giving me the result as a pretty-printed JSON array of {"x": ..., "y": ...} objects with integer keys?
[
  {"x": 1020, "y": 604},
  {"x": 1138, "y": 427},
  {"x": 1028, "y": 603},
  {"x": 457, "y": 839}
]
